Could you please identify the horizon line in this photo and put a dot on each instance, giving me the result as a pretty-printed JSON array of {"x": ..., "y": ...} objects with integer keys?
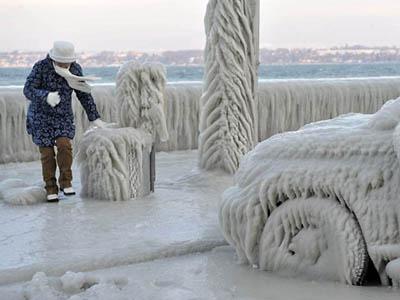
[{"x": 332, "y": 47}]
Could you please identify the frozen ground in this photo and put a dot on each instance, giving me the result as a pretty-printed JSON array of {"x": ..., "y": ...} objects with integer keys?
[
  {"x": 207, "y": 276},
  {"x": 84, "y": 234},
  {"x": 139, "y": 249}
]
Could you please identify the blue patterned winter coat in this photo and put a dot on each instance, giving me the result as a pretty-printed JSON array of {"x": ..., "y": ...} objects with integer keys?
[{"x": 44, "y": 122}]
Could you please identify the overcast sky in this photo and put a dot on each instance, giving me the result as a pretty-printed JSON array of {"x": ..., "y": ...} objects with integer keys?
[{"x": 154, "y": 25}]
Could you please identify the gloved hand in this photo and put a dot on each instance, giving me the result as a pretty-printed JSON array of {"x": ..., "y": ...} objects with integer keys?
[
  {"x": 99, "y": 123},
  {"x": 53, "y": 98}
]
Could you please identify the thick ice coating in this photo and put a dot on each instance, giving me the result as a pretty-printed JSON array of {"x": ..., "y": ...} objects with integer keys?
[
  {"x": 140, "y": 98},
  {"x": 393, "y": 271},
  {"x": 74, "y": 286},
  {"x": 319, "y": 200},
  {"x": 228, "y": 106},
  {"x": 111, "y": 163},
  {"x": 283, "y": 105},
  {"x": 16, "y": 192}
]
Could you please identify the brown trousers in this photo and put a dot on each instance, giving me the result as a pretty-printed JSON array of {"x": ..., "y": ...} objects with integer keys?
[{"x": 50, "y": 162}]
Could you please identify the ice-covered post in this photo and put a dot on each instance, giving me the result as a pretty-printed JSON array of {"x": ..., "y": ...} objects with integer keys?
[{"x": 228, "y": 105}]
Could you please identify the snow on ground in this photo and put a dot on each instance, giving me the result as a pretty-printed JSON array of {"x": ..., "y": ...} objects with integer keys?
[{"x": 165, "y": 246}]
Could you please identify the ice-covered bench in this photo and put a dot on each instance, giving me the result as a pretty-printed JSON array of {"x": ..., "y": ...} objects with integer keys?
[
  {"x": 119, "y": 164},
  {"x": 115, "y": 163}
]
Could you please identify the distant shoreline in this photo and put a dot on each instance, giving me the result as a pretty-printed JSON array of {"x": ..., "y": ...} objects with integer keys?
[
  {"x": 195, "y": 57},
  {"x": 15, "y": 77},
  {"x": 271, "y": 64},
  {"x": 197, "y": 83}
]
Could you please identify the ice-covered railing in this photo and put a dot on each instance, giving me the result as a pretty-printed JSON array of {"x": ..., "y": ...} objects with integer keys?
[
  {"x": 283, "y": 105},
  {"x": 16, "y": 144},
  {"x": 287, "y": 105}
]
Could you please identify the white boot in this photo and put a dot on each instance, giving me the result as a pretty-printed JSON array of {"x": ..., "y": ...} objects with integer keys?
[
  {"x": 52, "y": 198},
  {"x": 68, "y": 191}
]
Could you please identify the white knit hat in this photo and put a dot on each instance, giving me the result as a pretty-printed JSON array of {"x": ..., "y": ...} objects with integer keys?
[{"x": 63, "y": 52}]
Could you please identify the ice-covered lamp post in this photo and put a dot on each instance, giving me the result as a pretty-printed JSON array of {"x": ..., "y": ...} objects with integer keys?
[{"x": 228, "y": 103}]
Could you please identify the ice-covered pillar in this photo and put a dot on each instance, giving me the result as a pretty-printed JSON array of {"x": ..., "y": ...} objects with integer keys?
[{"x": 228, "y": 105}]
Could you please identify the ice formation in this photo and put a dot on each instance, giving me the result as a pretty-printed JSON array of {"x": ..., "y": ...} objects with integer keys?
[
  {"x": 74, "y": 286},
  {"x": 17, "y": 146},
  {"x": 17, "y": 192},
  {"x": 112, "y": 163},
  {"x": 283, "y": 105},
  {"x": 140, "y": 98},
  {"x": 393, "y": 271},
  {"x": 287, "y": 105},
  {"x": 182, "y": 103},
  {"x": 320, "y": 201},
  {"x": 387, "y": 117},
  {"x": 228, "y": 106}
]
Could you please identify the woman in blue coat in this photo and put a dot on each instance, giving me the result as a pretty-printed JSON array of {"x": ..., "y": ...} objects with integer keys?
[{"x": 50, "y": 119}]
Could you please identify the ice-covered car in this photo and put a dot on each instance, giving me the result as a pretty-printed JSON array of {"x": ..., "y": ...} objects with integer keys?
[{"x": 323, "y": 201}]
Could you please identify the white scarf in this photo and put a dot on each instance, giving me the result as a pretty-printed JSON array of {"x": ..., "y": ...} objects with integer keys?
[{"x": 75, "y": 82}]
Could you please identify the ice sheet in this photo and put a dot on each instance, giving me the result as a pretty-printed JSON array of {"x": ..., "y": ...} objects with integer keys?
[
  {"x": 76, "y": 234},
  {"x": 213, "y": 275}
]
